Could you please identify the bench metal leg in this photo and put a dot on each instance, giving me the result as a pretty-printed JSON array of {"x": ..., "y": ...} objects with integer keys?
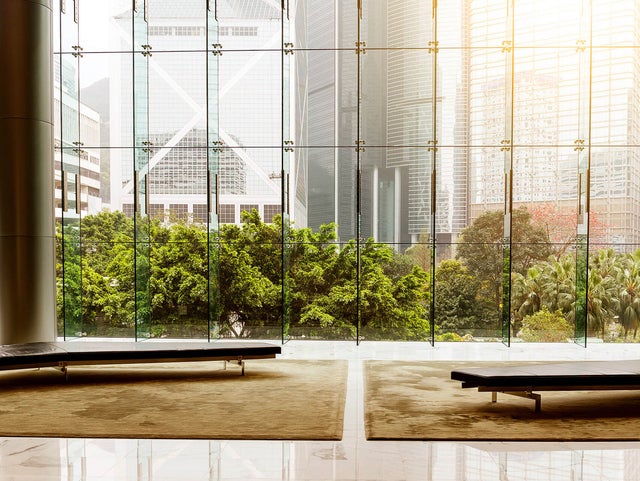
[
  {"x": 62, "y": 367},
  {"x": 525, "y": 394},
  {"x": 239, "y": 362}
]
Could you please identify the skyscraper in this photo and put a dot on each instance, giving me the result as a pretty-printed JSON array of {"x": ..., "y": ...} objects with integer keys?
[
  {"x": 379, "y": 93},
  {"x": 243, "y": 59},
  {"x": 77, "y": 171},
  {"x": 565, "y": 104}
]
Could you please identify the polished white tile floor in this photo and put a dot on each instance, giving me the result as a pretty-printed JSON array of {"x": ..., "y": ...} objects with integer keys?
[{"x": 353, "y": 458}]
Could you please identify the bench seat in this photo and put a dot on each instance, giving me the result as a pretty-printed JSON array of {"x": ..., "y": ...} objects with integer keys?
[
  {"x": 66, "y": 353},
  {"x": 523, "y": 380}
]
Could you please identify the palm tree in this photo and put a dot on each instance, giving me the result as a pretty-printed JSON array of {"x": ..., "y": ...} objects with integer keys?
[
  {"x": 558, "y": 280},
  {"x": 629, "y": 293},
  {"x": 527, "y": 292},
  {"x": 601, "y": 302},
  {"x": 602, "y": 293}
]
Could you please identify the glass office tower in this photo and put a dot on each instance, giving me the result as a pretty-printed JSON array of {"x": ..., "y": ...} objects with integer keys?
[{"x": 248, "y": 80}]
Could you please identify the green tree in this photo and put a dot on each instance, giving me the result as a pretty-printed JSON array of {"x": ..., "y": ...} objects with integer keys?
[
  {"x": 250, "y": 268},
  {"x": 100, "y": 232},
  {"x": 601, "y": 294},
  {"x": 391, "y": 306},
  {"x": 480, "y": 250},
  {"x": 456, "y": 297},
  {"x": 179, "y": 280},
  {"x": 311, "y": 272},
  {"x": 547, "y": 284},
  {"x": 313, "y": 278}
]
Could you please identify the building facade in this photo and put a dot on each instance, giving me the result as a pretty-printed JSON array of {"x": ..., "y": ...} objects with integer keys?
[
  {"x": 534, "y": 85},
  {"x": 237, "y": 126}
]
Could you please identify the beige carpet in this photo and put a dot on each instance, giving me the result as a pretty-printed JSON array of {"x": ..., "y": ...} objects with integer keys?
[
  {"x": 276, "y": 399},
  {"x": 419, "y": 401}
]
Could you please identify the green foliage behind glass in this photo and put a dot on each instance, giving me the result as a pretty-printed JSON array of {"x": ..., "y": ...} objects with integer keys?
[{"x": 325, "y": 294}]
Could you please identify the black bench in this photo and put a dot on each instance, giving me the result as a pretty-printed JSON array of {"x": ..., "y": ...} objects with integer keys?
[
  {"x": 523, "y": 380},
  {"x": 67, "y": 353}
]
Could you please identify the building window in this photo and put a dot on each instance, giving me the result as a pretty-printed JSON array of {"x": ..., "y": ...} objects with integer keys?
[
  {"x": 156, "y": 211},
  {"x": 248, "y": 208},
  {"x": 235, "y": 31},
  {"x": 127, "y": 209},
  {"x": 270, "y": 211},
  {"x": 178, "y": 212},
  {"x": 227, "y": 214},
  {"x": 200, "y": 213}
]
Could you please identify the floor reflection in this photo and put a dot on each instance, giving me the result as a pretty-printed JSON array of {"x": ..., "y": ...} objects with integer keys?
[
  {"x": 146, "y": 460},
  {"x": 353, "y": 458}
]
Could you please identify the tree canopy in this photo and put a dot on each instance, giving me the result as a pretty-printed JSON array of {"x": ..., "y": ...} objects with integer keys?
[
  {"x": 262, "y": 279},
  {"x": 238, "y": 281}
]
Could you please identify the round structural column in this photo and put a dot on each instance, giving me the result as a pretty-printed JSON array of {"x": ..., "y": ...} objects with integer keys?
[{"x": 27, "y": 234}]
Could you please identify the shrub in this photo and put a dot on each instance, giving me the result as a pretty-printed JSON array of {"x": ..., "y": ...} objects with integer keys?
[
  {"x": 545, "y": 326},
  {"x": 448, "y": 337}
]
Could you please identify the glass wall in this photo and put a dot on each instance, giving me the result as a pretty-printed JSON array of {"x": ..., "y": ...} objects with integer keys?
[{"x": 354, "y": 170}]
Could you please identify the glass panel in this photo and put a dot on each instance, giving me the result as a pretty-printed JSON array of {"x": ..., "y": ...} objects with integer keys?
[
  {"x": 292, "y": 172},
  {"x": 507, "y": 149},
  {"x": 543, "y": 229},
  {"x": 250, "y": 100},
  {"x": 57, "y": 39},
  {"x": 108, "y": 275},
  {"x": 214, "y": 152},
  {"x": 465, "y": 304},
  {"x": 613, "y": 79},
  {"x": 479, "y": 246},
  {"x": 614, "y": 24},
  {"x": 141, "y": 176},
  {"x": 250, "y": 257},
  {"x": 392, "y": 211},
  {"x": 398, "y": 178},
  {"x": 547, "y": 23},
  {"x": 178, "y": 178},
  {"x": 487, "y": 91},
  {"x": 403, "y": 24},
  {"x": 489, "y": 120},
  {"x": 316, "y": 89},
  {"x": 106, "y": 129},
  {"x": 105, "y": 25},
  {"x": 68, "y": 29},
  {"x": 68, "y": 152},
  {"x": 249, "y": 25},
  {"x": 615, "y": 184},
  {"x": 546, "y": 93},
  {"x": 483, "y": 24},
  {"x": 178, "y": 285},
  {"x": 583, "y": 149},
  {"x": 613, "y": 244},
  {"x": 546, "y": 121},
  {"x": 177, "y": 97},
  {"x": 321, "y": 270},
  {"x": 179, "y": 292},
  {"x": 93, "y": 125},
  {"x": 325, "y": 25}
]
